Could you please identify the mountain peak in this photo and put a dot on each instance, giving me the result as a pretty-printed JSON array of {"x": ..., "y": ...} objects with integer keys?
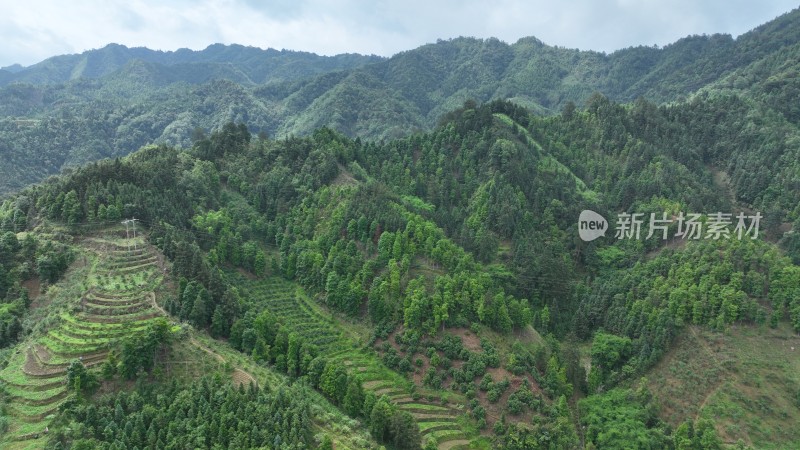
[{"x": 14, "y": 68}]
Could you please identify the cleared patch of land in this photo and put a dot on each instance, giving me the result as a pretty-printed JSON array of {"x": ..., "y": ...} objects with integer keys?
[{"x": 747, "y": 380}]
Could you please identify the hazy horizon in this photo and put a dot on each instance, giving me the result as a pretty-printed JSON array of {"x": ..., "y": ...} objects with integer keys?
[{"x": 39, "y": 29}]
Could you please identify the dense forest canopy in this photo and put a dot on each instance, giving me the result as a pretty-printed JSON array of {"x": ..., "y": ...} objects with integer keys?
[
  {"x": 111, "y": 101},
  {"x": 472, "y": 225},
  {"x": 428, "y": 289}
]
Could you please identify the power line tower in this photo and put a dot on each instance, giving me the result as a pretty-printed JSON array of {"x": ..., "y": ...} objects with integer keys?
[{"x": 127, "y": 232}]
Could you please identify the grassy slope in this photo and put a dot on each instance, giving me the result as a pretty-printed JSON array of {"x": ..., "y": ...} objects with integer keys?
[{"x": 747, "y": 380}]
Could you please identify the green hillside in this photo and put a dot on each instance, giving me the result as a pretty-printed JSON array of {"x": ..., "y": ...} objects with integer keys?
[
  {"x": 431, "y": 288},
  {"x": 749, "y": 394},
  {"x": 109, "y": 102},
  {"x": 102, "y": 325},
  {"x": 263, "y": 249}
]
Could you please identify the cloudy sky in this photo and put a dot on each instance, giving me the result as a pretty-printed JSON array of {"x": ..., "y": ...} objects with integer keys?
[{"x": 33, "y": 30}]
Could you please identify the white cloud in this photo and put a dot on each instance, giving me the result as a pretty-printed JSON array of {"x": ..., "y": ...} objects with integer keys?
[{"x": 36, "y": 29}]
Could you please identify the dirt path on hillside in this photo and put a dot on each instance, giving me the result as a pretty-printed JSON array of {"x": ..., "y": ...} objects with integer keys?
[
  {"x": 152, "y": 296},
  {"x": 239, "y": 375},
  {"x": 729, "y": 376},
  {"x": 202, "y": 347}
]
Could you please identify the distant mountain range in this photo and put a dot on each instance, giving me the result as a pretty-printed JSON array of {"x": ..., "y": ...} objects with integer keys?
[
  {"x": 71, "y": 109},
  {"x": 248, "y": 65}
]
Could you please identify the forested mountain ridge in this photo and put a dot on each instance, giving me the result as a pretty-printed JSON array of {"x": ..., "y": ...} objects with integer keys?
[
  {"x": 431, "y": 285},
  {"x": 454, "y": 251},
  {"x": 254, "y": 65},
  {"x": 109, "y": 102}
]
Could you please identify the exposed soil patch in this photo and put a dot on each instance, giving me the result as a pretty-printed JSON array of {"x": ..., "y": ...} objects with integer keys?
[
  {"x": 419, "y": 371},
  {"x": 471, "y": 341},
  {"x": 241, "y": 377},
  {"x": 36, "y": 370},
  {"x": 33, "y": 286},
  {"x": 674, "y": 244}
]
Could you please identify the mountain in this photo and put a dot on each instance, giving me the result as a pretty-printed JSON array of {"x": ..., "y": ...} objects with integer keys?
[
  {"x": 388, "y": 254},
  {"x": 14, "y": 68},
  {"x": 254, "y": 64},
  {"x": 119, "y": 97},
  {"x": 147, "y": 96},
  {"x": 439, "y": 77},
  {"x": 433, "y": 286}
]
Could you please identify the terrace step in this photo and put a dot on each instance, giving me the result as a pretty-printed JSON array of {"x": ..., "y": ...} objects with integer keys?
[
  {"x": 131, "y": 269},
  {"x": 113, "y": 302},
  {"x": 389, "y": 391},
  {"x": 454, "y": 444},
  {"x": 100, "y": 310},
  {"x": 84, "y": 346},
  {"x": 60, "y": 395},
  {"x": 453, "y": 426},
  {"x": 33, "y": 369},
  {"x": 377, "y": 384},
  {"x": 33, "y": 387},
  {"x": 36, "y": 417},
  {"x": 115, "y": 295},
  {"x": 131, "y": 262},
  {"x": 30, "y": 436},
  {"x": 112, "y": 334},
  {"x": 431, "y": 417},
  {"x": 427, "y": 409},
  {"x": 120, "y": 318},
  {"x": 68, "y": 350},
  {"x": 77, "y": 325},
  {"x": 44, "y": 358}
]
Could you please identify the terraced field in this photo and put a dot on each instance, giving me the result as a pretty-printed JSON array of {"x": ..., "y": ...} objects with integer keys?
[
  {"x": 288, "y": 302},
  {"x": 118, "y": 300},
  {"x": 285, "y": 301}
]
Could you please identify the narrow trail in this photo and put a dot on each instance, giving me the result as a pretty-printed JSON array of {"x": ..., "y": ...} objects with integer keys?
[
  {"x": 727, "y": 374},
  {"x": 155, "y": 304},
  {"x": 708, "y": 396},
  {"x": 239, "y": 374},
  {"x": 202, "y": 347},
  {"x": 237, "y": 370}
]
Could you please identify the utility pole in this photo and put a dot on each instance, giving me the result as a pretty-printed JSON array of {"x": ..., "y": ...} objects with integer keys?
[
  {"x": 127, "y": 234},
  {"x": 134, "y": 232}
]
